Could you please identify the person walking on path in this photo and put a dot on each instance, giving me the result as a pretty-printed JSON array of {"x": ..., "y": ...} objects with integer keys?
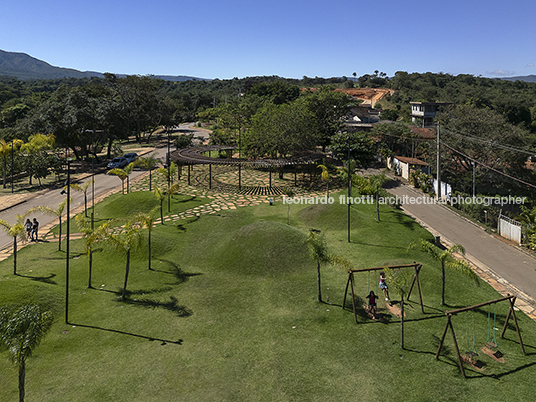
[
  {"x": 28, "y": 228},
  {"x": 35, "y": 228}
]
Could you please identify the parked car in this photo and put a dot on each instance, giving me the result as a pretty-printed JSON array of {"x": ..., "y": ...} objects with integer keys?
[
  {"x": 119, "y": 162},
  {"x": 130, "y": 157}
]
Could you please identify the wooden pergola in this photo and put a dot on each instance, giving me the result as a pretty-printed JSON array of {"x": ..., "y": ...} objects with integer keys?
[{"x": 197, "y": 156}]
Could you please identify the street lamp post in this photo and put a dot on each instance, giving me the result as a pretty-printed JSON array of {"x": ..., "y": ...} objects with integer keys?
[
  {"x": 68, "y": 192},
  {"x": 12, "y": 146}
]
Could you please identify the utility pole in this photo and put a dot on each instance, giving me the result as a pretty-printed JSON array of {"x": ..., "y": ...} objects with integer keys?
[
  {"x": 349, "y": 186},
  {"x": 474, "y": 180},
  {"x": 438, "y": 176}
]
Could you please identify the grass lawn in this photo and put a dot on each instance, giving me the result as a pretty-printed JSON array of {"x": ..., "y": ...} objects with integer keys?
[{"x": 230, "y": 314}]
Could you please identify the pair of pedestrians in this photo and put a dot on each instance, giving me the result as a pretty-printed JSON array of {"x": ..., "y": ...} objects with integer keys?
[{"x": 32, "y": 229}]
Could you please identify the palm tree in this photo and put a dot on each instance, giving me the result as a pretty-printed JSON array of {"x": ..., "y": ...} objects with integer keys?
[
  {"x": 447, "y": 260},
  {"x": 91, "y": 236},
  {"x": 122, "y": 174},
  {"x": 21, "y": 332},
  {"x": 127, "y": 240},
  {"x": 172, "y": 188},
  {"x": 161, "y": 196},
  {"x": 399, "y": 282},
  {"x": 84, "y": 189},
  {"x": 147, "y": 220},
  {"x": 372, "y": 186},
  {"x": 325, "y": 176},
  {"x": 149, "y": 163},
  {"x": 58, "y": 212},
  {"x": 168, "y": 173},
  {"x": 289, "y": 193},
  {"x": 318, "y": 251},
  {"x": 15, "y": 230}
]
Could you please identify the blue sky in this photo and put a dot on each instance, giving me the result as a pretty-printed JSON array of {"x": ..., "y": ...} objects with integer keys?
[{"x": 292, "y": 38}]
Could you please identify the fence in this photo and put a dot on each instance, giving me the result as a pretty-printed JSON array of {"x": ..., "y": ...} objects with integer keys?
[
  {"x": 509, "y": 228},
  {"x": 446, "y": 189}
]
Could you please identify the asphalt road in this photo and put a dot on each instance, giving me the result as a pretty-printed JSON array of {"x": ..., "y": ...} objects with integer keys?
[
  {"x": 52, "y": 198},
  {"x": 515, "y": 266}
]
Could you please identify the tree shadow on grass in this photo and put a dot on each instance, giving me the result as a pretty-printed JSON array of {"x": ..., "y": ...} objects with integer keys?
[
  {"x": 44, "y": 279},
  {"x": 149, "y": 338},
  {"x": 177, "y": 272},
  {"x": 400, "y": 219},
  {"x": 377, "y": 245},
  {"x": 171, "y": 305}
]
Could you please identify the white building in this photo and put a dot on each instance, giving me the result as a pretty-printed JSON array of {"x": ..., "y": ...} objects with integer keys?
[{"x": 426, "y": 111}]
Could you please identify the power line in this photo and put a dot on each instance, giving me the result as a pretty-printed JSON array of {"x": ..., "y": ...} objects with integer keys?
[
  {"x": 488, "y": 167},
  {"x": 492, "y": 143}
]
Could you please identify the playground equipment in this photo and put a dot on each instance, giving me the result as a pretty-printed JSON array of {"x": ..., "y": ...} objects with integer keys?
[
  {"x": 416, "y": 266},
  {"x": 486, "y": 350}
]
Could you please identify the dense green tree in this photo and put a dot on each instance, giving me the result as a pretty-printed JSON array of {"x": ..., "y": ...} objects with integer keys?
[
  {"x": 361, "y": 145},
  {"x": 485, "y": 136},
  {"x": 329, "y": 107},
  {"x": 142, "y": 104},
  {"x": 7, "y": 148},
  {"x": 281, "y": 130},
  {"x": 277, "y": 92}
]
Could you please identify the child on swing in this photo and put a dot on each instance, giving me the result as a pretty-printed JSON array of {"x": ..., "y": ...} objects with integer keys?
[
  {"x": 383, "y": 286},
  {"x": 372, "y": 302}
]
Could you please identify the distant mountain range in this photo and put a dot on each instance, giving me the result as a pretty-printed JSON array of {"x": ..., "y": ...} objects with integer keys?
[
  {"x": 26, "y": 67},
  {"x": 527, "y": 78}
]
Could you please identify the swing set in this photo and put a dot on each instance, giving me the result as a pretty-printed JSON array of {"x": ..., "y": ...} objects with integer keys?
[
  {"x": 416, "y": 266},
  {"x": 491, "y": 342}
]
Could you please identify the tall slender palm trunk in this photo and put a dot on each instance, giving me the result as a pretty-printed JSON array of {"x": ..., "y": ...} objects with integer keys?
[
  {"x": 127, "y": 269},
  {"x": 15, "y": 255},
  {"x": 22, "y": 377},
  {"x": 318, "y": 277},
  {"x": 150, "y": 250}
]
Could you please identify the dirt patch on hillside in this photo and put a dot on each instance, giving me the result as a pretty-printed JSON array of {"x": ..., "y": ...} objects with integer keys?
[{"x": 367, "y": 94}]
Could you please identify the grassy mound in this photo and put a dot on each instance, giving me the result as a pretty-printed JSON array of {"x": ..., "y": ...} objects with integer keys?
[{"x": 265, "y": 248}]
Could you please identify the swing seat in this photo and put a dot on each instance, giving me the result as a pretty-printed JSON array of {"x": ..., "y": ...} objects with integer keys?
[
  {"x": 498, "y": 354},
  {"x": 492, "y": 354},
  {"x": 471, "y": 353},
  {"x": 477, "y": 364},
  {"x": 491, "y": 345},
  {"x": 374, "y": 316}
]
